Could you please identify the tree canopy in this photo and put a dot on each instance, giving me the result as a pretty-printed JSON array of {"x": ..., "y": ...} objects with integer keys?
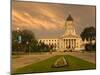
[
  {"x": 88, "y": 33},
  {"x": 25, "y": 41}
]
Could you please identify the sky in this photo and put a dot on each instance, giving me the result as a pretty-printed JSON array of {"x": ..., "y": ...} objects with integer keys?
[{"x": 47, "y": 20}]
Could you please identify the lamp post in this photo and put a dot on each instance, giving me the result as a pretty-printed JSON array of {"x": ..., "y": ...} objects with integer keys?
[
  {"x": 18, "y": 29},
  {"x": 18, "y": 38}
]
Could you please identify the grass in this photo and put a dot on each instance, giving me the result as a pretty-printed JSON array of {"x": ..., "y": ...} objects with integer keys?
[{"x": 45, "y": 66}]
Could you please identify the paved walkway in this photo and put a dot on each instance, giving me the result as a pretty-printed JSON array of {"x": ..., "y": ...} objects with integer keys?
[{"x": 24, "y": 60}]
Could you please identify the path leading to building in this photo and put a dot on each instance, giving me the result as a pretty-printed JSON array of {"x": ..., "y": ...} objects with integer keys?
[{"x": 24, "y": 60}]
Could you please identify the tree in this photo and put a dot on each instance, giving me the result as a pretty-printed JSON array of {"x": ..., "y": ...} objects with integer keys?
[
  {"x": 15, "y": 43},
  {"x": 90, "y": 47},
  {"x": 27, "y": 40},
  {"x": 88, "y": 33},
  {"x": 28, "y": 43},
  {"x": 43, "y": 47}
]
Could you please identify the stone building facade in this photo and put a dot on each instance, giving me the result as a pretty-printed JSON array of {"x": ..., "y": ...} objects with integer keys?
[{"x": 68, "y": 41}]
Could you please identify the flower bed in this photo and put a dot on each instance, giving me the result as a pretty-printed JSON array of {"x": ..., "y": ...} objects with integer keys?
[{"x": 60, "y": 62}]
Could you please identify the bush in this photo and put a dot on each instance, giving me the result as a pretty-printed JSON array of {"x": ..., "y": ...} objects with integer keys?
[{"x": 90, "y": 47}]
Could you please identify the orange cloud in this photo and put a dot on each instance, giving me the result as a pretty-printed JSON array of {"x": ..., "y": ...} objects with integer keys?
[{"x": 24, "y": 18}]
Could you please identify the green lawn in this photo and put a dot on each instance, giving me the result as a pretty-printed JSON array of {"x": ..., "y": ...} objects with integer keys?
[{"x": 45, "y": 66}]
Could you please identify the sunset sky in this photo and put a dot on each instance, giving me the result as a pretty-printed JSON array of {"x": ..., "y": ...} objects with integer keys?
[{"x": 48, "y": 20}]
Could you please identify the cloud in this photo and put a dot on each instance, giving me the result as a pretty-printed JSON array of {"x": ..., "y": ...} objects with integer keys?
[
  {"x": 20, "y": 18},
  {"x": 24, "y": 18},
  {"x": 42, "y": 17}
]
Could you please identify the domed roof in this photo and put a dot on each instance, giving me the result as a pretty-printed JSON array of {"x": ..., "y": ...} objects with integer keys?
[{"x": 69, "y": 18}]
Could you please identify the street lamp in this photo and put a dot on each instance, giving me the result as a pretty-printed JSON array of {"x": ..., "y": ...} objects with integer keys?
[
  {"x": 18, "y": 29},
  {"x": 18, "y": 37}
]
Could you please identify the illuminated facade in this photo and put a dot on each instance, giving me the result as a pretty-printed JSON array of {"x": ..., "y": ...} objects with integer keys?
[{"x": 68, "y": 41}]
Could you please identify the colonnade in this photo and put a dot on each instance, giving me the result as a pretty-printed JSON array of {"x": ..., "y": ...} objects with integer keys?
[{"x": 69, "y": 43}]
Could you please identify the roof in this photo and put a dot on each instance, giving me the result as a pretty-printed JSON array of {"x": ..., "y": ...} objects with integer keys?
[
  {"x": 69, "y": 18},
  {"x": 70, "y": 36},
  {"x": 46, "y": 37}
]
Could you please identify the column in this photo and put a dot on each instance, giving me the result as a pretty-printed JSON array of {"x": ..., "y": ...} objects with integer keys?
[
  {"x": 72, "y": 43},
  {"x": 69, "y": 43},
  {"x": 64, "y": 43}
]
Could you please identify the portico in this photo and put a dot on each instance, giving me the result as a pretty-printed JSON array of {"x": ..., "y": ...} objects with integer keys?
[{"x": 69, "y": 43}]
